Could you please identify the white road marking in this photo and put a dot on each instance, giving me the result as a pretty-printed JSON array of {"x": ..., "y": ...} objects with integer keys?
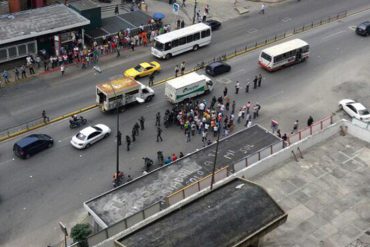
[
  {"x": 352, "y": 28},
  {"x": 286, "y": 19},
  {"x": 332, "y": 35},
  {"x": 252, "y": 30},
  {"x": 7, "y": 161}
]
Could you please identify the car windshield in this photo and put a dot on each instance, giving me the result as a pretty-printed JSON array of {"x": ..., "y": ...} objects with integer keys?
[
  {"x": 80, "y": 136},
  {"x": 139, "y": 68},
  {"x": 364, "y": 112},
  {"x": 98, "y": 129},
  {"x": 152, "y": 64},
  {"x": 158, "y": 46}
]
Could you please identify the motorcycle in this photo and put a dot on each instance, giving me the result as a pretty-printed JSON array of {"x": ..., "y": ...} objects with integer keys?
[
  {"x": 78, "y": 122},
  {"x": 148, "y": 163}
]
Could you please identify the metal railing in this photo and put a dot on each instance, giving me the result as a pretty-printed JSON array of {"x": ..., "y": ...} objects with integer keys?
[{"x": 21, "y": 127}]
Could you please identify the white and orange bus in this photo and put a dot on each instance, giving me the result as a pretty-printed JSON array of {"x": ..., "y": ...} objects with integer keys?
[{"x": 284, "y": 54}]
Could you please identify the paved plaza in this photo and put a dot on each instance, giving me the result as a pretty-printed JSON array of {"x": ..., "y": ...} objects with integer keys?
[{"x": 326, "y": 196}]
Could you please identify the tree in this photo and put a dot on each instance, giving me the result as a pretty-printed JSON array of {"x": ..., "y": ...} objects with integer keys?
[{"x": 79, "y": 233}]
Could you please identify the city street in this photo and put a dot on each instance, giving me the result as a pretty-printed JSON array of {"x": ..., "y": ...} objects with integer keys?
[{"x": 37, "y": 193}]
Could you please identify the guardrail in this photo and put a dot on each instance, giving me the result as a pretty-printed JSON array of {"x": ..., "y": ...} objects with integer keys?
[{"x": 250, "y": 46}]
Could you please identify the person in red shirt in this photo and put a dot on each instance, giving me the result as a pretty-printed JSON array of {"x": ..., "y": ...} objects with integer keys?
[{"x": 174, "y": 157}]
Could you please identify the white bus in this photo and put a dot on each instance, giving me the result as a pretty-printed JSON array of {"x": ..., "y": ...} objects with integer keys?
[
  {"x": 285, "y": 54},
  {"x": 181, "y": 40}
]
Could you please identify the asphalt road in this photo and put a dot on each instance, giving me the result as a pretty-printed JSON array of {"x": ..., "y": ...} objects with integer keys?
[
  {"x": 37, "y": 193},
  {"x": 59, "y": 96}
]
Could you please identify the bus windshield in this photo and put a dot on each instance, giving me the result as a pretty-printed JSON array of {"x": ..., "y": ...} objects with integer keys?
[{"x": 158, "y": 46}]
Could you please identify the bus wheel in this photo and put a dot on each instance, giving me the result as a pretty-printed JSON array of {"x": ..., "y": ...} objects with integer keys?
[
  {"x": 196, "y": 47},
  {"x": 168, "y": 56}
]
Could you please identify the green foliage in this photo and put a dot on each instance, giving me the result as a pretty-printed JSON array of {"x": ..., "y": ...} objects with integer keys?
[{"x": 80, "y": 232}]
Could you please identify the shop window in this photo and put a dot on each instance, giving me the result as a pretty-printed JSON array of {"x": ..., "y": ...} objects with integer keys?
[
  {"x": 22, "y": 50},
  {"x": 12, "y": 51},
  {"x": 3, "y": 55}
]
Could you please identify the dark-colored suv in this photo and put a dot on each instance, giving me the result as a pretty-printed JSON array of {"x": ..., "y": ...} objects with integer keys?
[
  {"x": 217, "y": 68},
  {"x": 363, "y": 29},
  {"x": 32, "y": 144}
]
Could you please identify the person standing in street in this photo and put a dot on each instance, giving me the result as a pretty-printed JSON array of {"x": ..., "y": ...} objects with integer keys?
[
  {"x": 259, "y": 80},
  {"x": 133, "y": 134},
  {"x": 142, "y": 120},
  {"x": 225, "y": 91},
  {"x": 137, "y": 127},
  {"x": 262, "y": 11},
  {"x": 16, "y": 73},
  {"x": 310, "y": 121},
  {"x": 159, "y": 133},
  {"x": 182, "y": 23},
  {"x": 128, "y": 142},
  {"x": 23, "y": 71},
  {"x": 158, "y": 119},
  {"x": 233, "y": 107},
  {"x": 188, "y": 135},
  {"x": 176, "y": 70},
  {"x": 247, "y": 87},
  {"x": 44, "y": 117},
  {"x": 182, "y": 67},
  {"x": 5, "y": 76},
  {"x": 255, "y": 80},
  {"x": 151, "y": 79},
  {"x": 295, "y": 126},
  {"x": 183, "y": 3},
  {"x": 62, "y": 69},
  {"x": 237, "y": 86}
]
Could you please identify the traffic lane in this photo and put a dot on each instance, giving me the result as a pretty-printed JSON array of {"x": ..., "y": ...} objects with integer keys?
[{"x": 53, "y": 98}]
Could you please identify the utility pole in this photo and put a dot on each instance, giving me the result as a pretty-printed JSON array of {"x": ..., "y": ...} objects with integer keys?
[{"x": 195, "y": 10}]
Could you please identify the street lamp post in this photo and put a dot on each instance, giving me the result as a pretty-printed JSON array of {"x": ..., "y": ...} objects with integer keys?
[{"x": 195, "y": 10}]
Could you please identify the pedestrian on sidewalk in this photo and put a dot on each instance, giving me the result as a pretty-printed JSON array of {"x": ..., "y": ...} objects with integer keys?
[
  {"x": 5, "y": 76},
  {"x": 158, "y": 119},
  {"x": 44, "y": 117},
  {"x": 142, "y": 120},
  {"x": 295, "y": 127},
  {"x": 237, "y": 87},
  {"x": 247, "y": 87},
  {"x": 255, "y": 80},
  {"x": 133, "y": 134},
  {"x": 38, "y": 61},
  {"x": 46, "y": 64},
  {"x": 159, "y": 132},
  {"x": 182, "y": 67},
  {"x": 118, "y": 50},
  {"x": 274, "y": 125},
  {"x": 262, "y": 11},
  {"x": 233, "y": 107},
  {"x": 32, "y": 71},
  {"x": 62, "y": 69},
  {"x": 176, "y": 70},
  {"x": 182, "y": 24},
  {"x": 225, "y": 91},
  {"x": 206, "y": 9},
  {"x": 259, "y": 80},
  {"x": 183, "y": 3},
  {"x": 309, "y": 121},
  {"x": 278, "y": 133},
  {"x": 178, "y": 24},
  {"x": 16, "y": 73},
  {"x": 116, "y": 10},
  {"x": 23, "y": 71},
  {"x": 181, "y": 155},
  {"x": 137, "y": 128},
  {"x": 188, "y": 135},
  {"x": 128, "y": 142}
]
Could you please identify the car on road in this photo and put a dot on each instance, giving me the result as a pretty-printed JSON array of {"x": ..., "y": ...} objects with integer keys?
[
  {"x": 355, "y": 109},
  {"x": 363, "y": 29},
  {"x": 90, "y": 135},
  {"x": 32, "y": 144},
  {"x": 213, "y": 24},
  {"x": 143, "y": 69},
  {"x": 217, "y": 68}
]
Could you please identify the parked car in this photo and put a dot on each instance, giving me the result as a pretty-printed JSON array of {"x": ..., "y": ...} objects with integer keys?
[
  {"x": 213, "y": 24},
  {"x": 363, "y": 29},
  {"x": 32, "y": 144},
  {"x": 90, "y": 135},
  {"x": 217, "y": 68},
  {"x": 355, "y": 109},
  {"x": 143, "y": 69}
]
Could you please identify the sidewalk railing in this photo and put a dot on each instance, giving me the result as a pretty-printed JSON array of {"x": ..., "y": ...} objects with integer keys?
[
  {"x": 21, "y": 127},
  {"x": 250, "y": 46}
]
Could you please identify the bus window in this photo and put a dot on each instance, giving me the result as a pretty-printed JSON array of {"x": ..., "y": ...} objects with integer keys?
[
  {"x": 167, "y": 46},
  {"x": 189, "y": 39},
  {"x": 133, "y": 92},
  {"x": 182, "y": 41},
  {"x": 206, "y": 33},
  {"x": 158, "y": 46},
  {"x": 196, "y": 36},
  {"x": 175, "y": 43},
  {"x": 305, "y": 49},
  {"x": 265, "y": 56}
]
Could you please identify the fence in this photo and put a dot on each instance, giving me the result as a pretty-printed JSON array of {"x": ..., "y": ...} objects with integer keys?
[
  {"x": 259, "y": 43},
  {"x": 310, "y": 130},
  {"x": 5, "y": 133}
]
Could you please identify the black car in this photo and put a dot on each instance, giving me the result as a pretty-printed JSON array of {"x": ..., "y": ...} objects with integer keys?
[
  {"x": 213, "y": 24},
  {"x": 32, "y": 144},
  {"x": 363, "y": 29},
  {"x": 217, "y": 68}
]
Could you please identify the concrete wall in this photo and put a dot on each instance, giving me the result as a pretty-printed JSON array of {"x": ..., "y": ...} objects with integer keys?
[{"x": 358, "y": 130}]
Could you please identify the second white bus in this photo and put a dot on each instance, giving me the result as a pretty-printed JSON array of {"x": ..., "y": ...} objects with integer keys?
[
  {"x": 181, "y": 40},
  {"x": 285, "y": 54}
]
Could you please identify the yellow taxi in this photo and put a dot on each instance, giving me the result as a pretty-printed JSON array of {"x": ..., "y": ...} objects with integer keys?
[{"x": 143, "y": 69}]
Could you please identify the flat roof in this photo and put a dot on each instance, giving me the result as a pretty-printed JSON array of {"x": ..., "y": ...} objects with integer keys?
[
  {"x": 164, "y": 38},
  {"x": 226, "y": 216},
  {"x": 84, "y": 5},
  {"x": 325, "y": 194},
  {"x": 36, "y": 22},
  {"x": 118, "y": 85},
  {"x": 284, "y": 47},
  {"x": 186, "y": 80},
  {"x": 128, "y": 199}
]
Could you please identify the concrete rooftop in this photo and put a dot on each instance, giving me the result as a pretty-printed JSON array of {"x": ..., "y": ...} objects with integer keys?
[
  {"x": 229, "y": 214},
  {"x": 143, "y": 192},
  {"x": 326, "y": 196},
  {"x": 35, "y": 22}
]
